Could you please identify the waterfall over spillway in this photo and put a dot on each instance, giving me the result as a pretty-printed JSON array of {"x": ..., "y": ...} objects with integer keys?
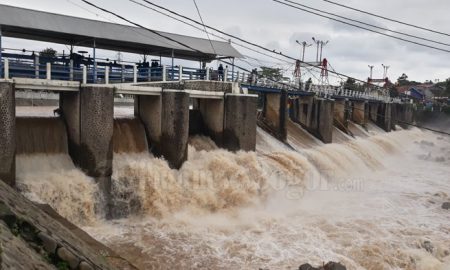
[{"x": 361, "y": 201}]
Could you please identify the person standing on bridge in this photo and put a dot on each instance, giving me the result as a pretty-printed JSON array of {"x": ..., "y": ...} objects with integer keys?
[{"x": 220, "y": 71}]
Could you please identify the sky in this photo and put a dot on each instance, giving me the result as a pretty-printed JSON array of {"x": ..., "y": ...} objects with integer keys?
[{"x": 265, "y": 22}]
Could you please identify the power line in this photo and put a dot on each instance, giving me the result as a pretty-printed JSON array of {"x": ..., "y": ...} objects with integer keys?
[
  {"x": 248, "y": 42},
  {"x": 364, "y": 28},
  {"x": 388, "y": 19},
  {"x": 202, "y": 30},
  {"x": 201, "y": 19},
  {"x": 368, "y": 24},
  {"x": 143, "y": 27}
]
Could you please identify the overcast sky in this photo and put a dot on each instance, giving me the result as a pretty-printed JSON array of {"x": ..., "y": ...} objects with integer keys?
[{"x": 265, "y": 22}]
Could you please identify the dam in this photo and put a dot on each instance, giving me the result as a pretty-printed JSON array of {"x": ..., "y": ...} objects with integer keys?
[{"x": 171, "y": 167}]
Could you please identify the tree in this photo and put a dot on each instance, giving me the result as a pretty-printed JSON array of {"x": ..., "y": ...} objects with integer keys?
[
  {"x": 350, "y": 84},
  {"x": 272, "y": 73},
  {"x": 48, "y": 53}
]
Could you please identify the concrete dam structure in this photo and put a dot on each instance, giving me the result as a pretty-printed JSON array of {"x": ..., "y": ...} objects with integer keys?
[{"x": 166, "y": 114}]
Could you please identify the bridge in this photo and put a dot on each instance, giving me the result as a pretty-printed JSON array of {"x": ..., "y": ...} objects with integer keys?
[{"x": 167, "y": 99}]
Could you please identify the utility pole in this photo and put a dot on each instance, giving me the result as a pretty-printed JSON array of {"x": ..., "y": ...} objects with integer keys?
[
  {"x": 371, "y": 71},
  {"x": 320, "y": 44},
  {"x": 304, "y": 44},
  {"x": 385, "y": 70},
  {"x": 317, "y": 42}
]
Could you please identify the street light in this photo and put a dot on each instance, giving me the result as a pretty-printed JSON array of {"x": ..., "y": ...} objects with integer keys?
[{"x": 304, "y": 44}]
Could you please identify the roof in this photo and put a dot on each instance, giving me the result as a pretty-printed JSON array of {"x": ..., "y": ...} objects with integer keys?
[{"x": 50, "y": 27}]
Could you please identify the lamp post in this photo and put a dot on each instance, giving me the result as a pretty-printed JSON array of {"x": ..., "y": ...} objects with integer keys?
[{"x": 304, "y": 45}]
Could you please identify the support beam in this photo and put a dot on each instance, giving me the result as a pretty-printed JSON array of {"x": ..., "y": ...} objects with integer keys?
[
  {"x": 175, "y": 127},
  {"x": 240, "y": 122},
  {"x": 89, "y": 116},
  {"x": 7, "y": 134}
]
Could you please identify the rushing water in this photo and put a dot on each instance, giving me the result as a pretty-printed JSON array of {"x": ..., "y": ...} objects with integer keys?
[{"x": 371, "y": 203}]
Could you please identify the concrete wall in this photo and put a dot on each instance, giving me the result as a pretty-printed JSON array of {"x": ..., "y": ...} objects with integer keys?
[
  {"x": 275, "y": 113},
  {"x": 384, "y": 116},
  {"x": 89, "y": 116},
  {"x": 175, "y": 127},
  {"x": 360, "y": 112},
  {"x": 212, "y": 111},
  {"x": 305, "y": 110},
  {"x": 240, "y": 122},
  {"x": 322, "y": 118},
  {"x": 373, "y": 111},
  {"x": 341, "y": 114},
  {"x": 149, "y": 110},
  {"x": 7, "y": 133},
  {"x": 394, "y": 120},
  {"x": 325, "y": 119}
]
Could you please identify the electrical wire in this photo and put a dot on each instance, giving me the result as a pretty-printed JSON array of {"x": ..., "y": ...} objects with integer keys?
[
  {"x": 248, "y": 42},
  {"x": 143, "y": 27},
  {"x": 368, "y": 24},
  {"x": 388, "y": 19},
  {"x": 201, "y": 19},
  {"x": 364, "y": 28}
]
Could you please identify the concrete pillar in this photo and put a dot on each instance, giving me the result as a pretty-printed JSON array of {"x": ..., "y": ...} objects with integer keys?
[
  {"x": 394, "y": 121},
  {"x": 212, "y": 111},
  {"x": 89, "y": 116},
  {"x": 7, "y": 133},
  {"x": 275, "y": 113},
  {"x": 148, "y": 109},
  {"x": 240, "y": 122},
  {"x": 360, "y": 112},
  {"x": 384, "y": 116},
  {"x": 323, "y": 118},
  {"x": 175, "y": 127},
  {"x": 306, "y": 110},
  {"x": 373, "y": 111},
  {"x": 340, "y": 114}
]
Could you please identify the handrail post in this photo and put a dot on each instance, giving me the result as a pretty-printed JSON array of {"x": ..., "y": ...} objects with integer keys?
[
  {"x": 6, "y": 66},
  {"x": 106, "y": 74},
  {"x": 84, "y": 75},
  {"x": 71, "y": 70},
  {"x": 36, "y": 66},
  {"x": 122, "y": 72},
  {"x": 164, "y": 73},
  {"x": 135, "y": 73},
  {"x": 49, "y": 71},
  {"x": 180, "y": 76}
]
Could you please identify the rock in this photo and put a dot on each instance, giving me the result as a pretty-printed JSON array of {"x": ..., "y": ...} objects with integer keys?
[
  {"x": 85, "y": 266},
  {"x": 7, "y": 215},
  {"x": 428, "y": 246},
  {"x": 446, "y": 205},
  {"x": 307, "y": 266},
  {"x": 334, "y": 266},
  {"x": 328, "y": 266},
  {"x": 48, "y": 243},
  {"x": 69, "y": 257}
]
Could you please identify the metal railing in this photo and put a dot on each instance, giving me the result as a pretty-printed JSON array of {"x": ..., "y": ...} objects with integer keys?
[{"x": 32, "y": 66}]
